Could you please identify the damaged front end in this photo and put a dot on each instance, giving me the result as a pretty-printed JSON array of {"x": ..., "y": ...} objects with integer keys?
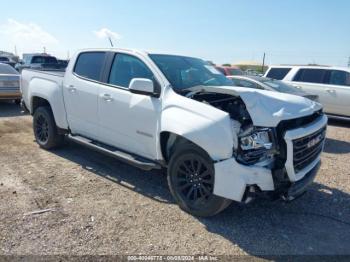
[
  {"x": 252, "y": 145},
  {"x": 263, "y": 156}
]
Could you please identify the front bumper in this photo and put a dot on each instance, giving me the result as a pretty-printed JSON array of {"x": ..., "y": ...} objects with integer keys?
[
  {"x": 299, "y": 188},
  {"x": 232, "y": 179}
]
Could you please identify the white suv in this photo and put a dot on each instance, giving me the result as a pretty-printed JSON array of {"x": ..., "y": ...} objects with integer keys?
[{"x": 331, "y": 84}]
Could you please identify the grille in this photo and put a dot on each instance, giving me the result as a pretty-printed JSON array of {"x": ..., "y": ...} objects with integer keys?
[{"x": 307, "y": 149}]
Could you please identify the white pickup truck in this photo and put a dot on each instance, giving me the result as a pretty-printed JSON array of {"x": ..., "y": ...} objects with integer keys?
[{"x": 218, "y": 142}]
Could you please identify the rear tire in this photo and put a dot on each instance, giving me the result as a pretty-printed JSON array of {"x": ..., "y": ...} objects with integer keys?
[
  {"x": 191, "y": 178},
  {"x": 45, "y": 129}
]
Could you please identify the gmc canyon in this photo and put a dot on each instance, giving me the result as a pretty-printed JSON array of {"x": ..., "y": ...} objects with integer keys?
[{"x": 218, "y": 142}]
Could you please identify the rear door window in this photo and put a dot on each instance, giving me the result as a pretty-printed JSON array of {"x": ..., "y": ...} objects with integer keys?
[
  {"x": 278, "y": 73},
  {"x": 125, "y": 68},
  {"x": 311, "y": 76},
  {"x": 90, "y": 65}
]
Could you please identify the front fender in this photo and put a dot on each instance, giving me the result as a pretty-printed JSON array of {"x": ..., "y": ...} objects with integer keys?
[{"x": 212, "y": 135}]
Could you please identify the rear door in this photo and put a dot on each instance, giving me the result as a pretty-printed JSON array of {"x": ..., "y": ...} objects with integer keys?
[
  {"x": 128, "y": 121},
  {"x": 338, "y": 89},
  {"x": 81, "y": 91},
  {"x": 313, "y": 81}
]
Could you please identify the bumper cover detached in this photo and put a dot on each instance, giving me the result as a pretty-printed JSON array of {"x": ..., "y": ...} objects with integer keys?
[
  {"x": 298, "y": 188},
  {"x": 239, "y": 183}
]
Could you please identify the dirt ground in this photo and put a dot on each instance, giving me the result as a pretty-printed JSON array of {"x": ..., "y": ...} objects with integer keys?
[{"x": 101, "y": 206}]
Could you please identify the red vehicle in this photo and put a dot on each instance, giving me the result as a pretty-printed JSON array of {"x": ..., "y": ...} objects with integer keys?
[{"x": 230, "y": 70}]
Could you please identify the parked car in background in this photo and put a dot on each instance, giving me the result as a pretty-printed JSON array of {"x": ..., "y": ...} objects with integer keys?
[
  {"x": 230, "y": 70},
  {"x": 330, "y": 84},
  {"x": 265, "y": 83},
  {"x": 9, "y": 83},
  {"x": 7, "y": 60},
  {"x": 39, "y": 62},
  {"x": 63, "y": 63},
  {"x": 218, "y": 142},
  {"x": 251, "y": 72}
]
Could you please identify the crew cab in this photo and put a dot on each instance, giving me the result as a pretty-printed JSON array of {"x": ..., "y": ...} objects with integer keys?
[{"x": 218, "y": 142}]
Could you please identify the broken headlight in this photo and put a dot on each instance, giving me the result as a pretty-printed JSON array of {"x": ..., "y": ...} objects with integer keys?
[
  {"x": 255, "y": 145},
  {"x": 256, "y": 140}
]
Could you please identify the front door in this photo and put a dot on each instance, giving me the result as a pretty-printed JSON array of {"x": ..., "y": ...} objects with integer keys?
[{"x": 126, "y": 120}]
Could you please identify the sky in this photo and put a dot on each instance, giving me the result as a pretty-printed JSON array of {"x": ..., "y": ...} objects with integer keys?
[{"x": 223, "y": 31}]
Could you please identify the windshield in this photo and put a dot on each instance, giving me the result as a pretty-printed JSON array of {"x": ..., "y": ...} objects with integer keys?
[
  {"x": 280, "y": 86},
  {"x": 185, "y": 72},
  {"x": 6, "y": 69},
  {"x": 44, "y": 60},
  {"x": 4, "y": 59}
]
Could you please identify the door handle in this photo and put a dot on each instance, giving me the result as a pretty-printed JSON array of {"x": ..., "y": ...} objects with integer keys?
[
  {"x": 71, "y": 89},
  {"x": 107, "y": 97}
]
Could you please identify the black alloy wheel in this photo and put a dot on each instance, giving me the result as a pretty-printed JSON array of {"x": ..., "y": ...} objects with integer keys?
[
  {"x": 191, "y": 179},
  {"x": 41, "y": 129},
  {"x": 194, "y": 180}
]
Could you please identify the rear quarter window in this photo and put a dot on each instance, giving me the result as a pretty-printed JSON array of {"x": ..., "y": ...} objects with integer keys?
[
  {"x": 338, "y": 77},
  {"x": 90, "y": 65},
  {"x": 278, "y": 73}
]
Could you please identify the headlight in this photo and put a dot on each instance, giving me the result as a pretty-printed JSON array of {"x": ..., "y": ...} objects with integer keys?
[
  {"x": 255, "y": 145},
  {"x": 256, "y": 140}
]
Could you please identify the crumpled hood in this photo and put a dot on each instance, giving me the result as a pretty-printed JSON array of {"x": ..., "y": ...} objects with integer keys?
[{"x": 268, "y": 108}]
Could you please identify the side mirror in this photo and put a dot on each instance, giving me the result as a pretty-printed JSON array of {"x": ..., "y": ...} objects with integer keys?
[{"x": 142, "y": 86}]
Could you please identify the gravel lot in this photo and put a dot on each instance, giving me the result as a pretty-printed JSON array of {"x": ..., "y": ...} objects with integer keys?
[{"x": 102, "y": 206}]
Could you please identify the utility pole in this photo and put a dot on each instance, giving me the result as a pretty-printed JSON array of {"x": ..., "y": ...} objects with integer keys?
[
  {"x": 44, "y": 49},
  {"x": 349, "y": 62},
  {"x": 263, "y": 64}
]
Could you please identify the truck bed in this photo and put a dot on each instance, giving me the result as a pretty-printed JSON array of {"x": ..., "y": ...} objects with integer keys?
[
  {"x": 53, "y": 72},
  {"x": 47, "y": 84}
]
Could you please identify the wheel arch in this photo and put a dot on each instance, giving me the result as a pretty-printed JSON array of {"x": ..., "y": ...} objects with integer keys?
[
  {"x": 168, "y": 141},
  {"x": 38, "y": 101}
]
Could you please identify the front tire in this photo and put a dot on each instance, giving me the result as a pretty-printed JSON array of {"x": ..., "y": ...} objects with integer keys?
[
  {"x": 191, "y": 178},
  {"x": 45, "y": 129}
]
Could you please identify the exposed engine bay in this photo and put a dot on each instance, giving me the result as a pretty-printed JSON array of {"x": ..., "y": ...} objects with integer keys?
[
  {"x": 252, "y": 145},
  {"x": 228, "y": 103}
]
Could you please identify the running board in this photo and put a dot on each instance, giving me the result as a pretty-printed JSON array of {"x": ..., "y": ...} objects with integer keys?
[{"x": 134, "y": 160}]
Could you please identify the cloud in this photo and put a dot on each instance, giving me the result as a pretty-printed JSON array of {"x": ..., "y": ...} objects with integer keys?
[
  {"x": 28, "y": 37},
  {"x": 105, "y": 33},
  {"x": 26, "y": 32}
]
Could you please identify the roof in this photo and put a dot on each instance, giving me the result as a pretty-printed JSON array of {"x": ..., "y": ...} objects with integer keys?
[
  {"x": 131, "y": 50},
  {"x": 312, "y": 67}
]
